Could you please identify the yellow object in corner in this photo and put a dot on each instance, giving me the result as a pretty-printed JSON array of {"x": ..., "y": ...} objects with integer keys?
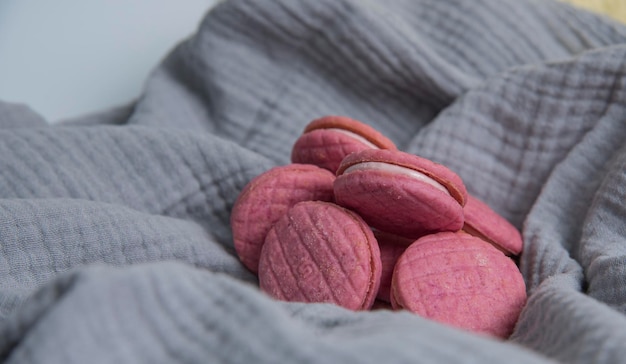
[{"x": 616, "y": 9}]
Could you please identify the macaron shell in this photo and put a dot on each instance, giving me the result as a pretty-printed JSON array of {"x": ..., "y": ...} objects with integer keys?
[
  {"x": 397, "y": 203},
  {"x": 481, "y": 221},
  {"x": 438, "y": 172},
  {"x": 459, "y": 280},
  {"x": 320, "y": 252},
  {"x": 391, "y": 247},
  {"x": 325, "y": 148},
  {"x": 352, "y": 125},
  {"x": 324, "y": 145},
  {"x": 268, "y": 197}
]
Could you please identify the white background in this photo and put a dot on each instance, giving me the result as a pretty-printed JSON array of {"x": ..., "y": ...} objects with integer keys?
[{"x": 65, "y": 58}]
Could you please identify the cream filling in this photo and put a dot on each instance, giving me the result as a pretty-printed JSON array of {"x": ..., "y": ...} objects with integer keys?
[
  {"x": 355, "y": 136},
  {"x": 392, "y": 168}
]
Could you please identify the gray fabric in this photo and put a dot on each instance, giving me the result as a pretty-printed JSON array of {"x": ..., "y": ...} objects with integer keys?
[{"x": 114, "y": 228}]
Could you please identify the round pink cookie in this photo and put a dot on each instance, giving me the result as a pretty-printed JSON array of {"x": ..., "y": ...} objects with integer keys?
[
  {"x": 459, "y": 280},
  {"x": 267, "y": 197},
  {"x": 482, "y": 222},
  {"x": 401, "y": 193},
  {"x": 327, "y": 140},
  {"x": 391, "y": 247},
  {"x": 321, "y": 252}
]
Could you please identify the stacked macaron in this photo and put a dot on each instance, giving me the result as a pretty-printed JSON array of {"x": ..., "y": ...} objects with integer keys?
[{"x": 355, "y": 222}]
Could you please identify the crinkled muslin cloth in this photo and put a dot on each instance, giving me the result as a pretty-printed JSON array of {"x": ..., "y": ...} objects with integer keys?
[{"x": 114, "y": 227}]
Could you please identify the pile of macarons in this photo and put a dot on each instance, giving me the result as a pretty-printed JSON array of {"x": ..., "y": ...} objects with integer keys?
[{"x": 356, "y": 222}]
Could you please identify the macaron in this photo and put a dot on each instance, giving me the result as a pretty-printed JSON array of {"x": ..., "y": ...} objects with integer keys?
[
  {"x": 482, "y": 222},
  {"x": 401, "y": 193},
  {"x": 391, "y": 247},
  {"x": 326, "y": 141},
  {"x": 267, "y": 197},
  {"x": 321, "y": 252},
  {"x": 459, "y": 280}
]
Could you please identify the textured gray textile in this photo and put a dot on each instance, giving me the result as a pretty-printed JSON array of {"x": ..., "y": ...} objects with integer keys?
[{"x": 114, "y": 228}]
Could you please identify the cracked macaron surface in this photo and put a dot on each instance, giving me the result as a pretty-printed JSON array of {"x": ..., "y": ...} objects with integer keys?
[{"x": 321, "y": 252}]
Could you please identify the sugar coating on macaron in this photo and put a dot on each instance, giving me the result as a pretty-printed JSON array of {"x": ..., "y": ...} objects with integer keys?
[
  {"x": 482, "y": 222},
  {"x": 401, "y": 193},
  {"x": 268, "y": 197},
  {"x": 321, "y": 252},
  {"x": 459, "y": 280},
  {"x": 327, "y": 140}
]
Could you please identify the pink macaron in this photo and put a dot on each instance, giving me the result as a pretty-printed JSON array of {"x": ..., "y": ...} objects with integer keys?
[
  {"x": 401, "y": 193},
  {"x": 326, "y": 141},
  {"x": 391, "y": 247},
  {"x": 459, "y": 280},
  {"x": 321, "y": 252},
  {"x": 482, "y": 222},
  {"x": 267, "y": 197}
]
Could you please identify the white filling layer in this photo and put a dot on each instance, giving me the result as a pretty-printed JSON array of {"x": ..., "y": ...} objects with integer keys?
[
  {"x": 355, "y": 136},
  {"x": 392, "y": 168}
]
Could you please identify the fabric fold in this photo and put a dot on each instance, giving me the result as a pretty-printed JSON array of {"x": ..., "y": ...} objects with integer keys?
[
  {"x": 115, "y": 244},
  {"x": 169, "y": 312}
]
